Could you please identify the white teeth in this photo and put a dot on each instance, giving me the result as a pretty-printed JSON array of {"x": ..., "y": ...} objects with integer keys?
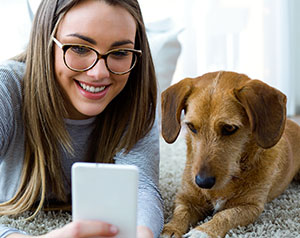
[{"x": 91, "y": 89}]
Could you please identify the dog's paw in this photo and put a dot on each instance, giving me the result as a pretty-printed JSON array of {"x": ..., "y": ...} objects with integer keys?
[
  {"x": 169, "y": 233},
  {"x": 168, "y": 236},
  {"x": 196, "y": 234},
  {"x": 172, "y": 231}
]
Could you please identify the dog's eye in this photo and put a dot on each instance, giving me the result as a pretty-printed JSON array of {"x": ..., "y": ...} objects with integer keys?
[
  {"x": 228, "y": 130},
  {"x": 191, "y": 127}
]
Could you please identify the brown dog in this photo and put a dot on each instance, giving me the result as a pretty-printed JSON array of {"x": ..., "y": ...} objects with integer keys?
[{"x": 241, "y": 151}]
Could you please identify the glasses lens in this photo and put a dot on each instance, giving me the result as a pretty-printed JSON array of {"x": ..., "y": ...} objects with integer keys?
[
  {"x": 80, "y": 57},
  {"x": 121, "y": 61}
]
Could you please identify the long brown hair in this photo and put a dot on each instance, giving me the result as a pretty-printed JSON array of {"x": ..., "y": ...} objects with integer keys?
[{"x": 128, "y": 118}]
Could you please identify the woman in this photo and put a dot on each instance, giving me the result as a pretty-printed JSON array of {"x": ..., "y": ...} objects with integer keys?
[{"x": 85, "y": 90}]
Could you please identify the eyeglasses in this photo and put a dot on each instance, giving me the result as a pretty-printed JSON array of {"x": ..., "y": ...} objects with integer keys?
[{"x": 81, "y": 58}]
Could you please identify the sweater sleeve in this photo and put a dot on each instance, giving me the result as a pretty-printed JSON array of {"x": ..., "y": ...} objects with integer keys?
[
  {"x": 5, "y": 231},
  {"x": 11, "y": 73},
  {"x": 145, "y": 155}
]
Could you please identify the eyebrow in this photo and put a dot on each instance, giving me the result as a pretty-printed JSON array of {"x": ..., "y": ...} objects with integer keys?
[
  {"x": 123, "y": 42},
  {"x": 90, "y": 40},
  {"x": 85, "y": 38}
]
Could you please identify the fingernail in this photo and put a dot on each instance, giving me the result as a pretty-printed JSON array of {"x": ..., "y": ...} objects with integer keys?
[{"x": 113, "y": 229}]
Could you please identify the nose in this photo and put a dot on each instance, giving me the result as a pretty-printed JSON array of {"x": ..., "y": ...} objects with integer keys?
[
  {"x": 205, "y": 182},
  {"x": 99, "y": 70}
]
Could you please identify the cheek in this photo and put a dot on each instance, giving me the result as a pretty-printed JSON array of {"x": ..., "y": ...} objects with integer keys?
[
  {"x": 59, "y": 66},
  {"x": 58, "y": 58},
  {"x": 62, "y": 73},
  {"x": 121, "y": 82}
]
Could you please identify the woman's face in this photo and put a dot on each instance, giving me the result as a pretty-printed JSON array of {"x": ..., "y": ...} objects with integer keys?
[{"x": 103, "y": 27}]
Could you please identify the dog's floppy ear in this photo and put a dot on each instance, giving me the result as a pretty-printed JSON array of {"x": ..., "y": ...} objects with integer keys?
[
  {"x": 266, "y": 110},
  {"x": 172, "y": 103}
]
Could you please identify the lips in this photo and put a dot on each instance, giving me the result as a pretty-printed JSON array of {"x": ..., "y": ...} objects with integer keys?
[{"x": 92, "y": 91}]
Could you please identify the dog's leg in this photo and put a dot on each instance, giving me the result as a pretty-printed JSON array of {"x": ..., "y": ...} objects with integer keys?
[
  {"x": 188, "y": 211},
  {"x": 225, "y": 220}
]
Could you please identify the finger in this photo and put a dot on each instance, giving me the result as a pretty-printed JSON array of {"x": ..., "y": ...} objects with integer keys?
[
  {"x": 86, "y": 229},
  {"x": 92, "y": 228}
]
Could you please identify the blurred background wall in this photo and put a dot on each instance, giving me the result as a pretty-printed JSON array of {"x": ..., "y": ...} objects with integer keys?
[{"x": 191, "y": 37}]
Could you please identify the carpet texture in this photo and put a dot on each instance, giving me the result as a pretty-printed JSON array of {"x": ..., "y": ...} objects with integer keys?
[{"x": 281, "y": 217}]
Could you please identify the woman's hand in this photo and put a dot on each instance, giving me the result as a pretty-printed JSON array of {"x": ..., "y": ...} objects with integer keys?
[
  {"x": 78, "y": 229},
  {"x": 144, "y": 232},
  {"x": 87, "y": 229}
]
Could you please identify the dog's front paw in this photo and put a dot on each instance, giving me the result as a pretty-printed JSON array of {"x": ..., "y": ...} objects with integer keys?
[
  {"x": 163, "y": 235},
  {"x": 194, "y": 233},
  {"x": 170, "y": 231},
  {"x": 170, "y": 235}
]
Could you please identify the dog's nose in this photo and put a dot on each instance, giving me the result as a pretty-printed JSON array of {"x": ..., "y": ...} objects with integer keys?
[{"x": 205, "y": 182}]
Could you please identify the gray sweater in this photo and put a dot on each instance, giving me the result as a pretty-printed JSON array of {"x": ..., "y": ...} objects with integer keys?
[{"x": 145, "y": 154}]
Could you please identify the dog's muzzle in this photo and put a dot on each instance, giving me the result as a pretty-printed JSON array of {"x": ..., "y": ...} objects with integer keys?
[{"x": 205, "y": 182}]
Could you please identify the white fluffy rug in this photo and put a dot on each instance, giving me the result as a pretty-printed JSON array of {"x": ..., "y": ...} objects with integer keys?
[{"x": 281, "y": 217}]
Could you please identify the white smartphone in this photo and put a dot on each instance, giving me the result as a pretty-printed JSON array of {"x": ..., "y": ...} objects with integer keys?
[{"x": 106, "y": 192}]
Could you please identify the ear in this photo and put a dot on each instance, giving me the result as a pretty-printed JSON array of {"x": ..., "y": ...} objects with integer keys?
[
  {"x": 266, "y": 110},
  {"x": 172, "y": 103}
]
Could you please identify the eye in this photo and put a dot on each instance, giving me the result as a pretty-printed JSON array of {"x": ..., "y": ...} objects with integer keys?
[
  {"x": 228, "y": 130},
  {"x": 191, "y": 127},
  {"x": 120, "y": 54},
  {"x": 80, "y": 50}
]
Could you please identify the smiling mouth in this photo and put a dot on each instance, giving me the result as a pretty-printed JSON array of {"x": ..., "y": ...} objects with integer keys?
[{"x": 91, "y": 89}]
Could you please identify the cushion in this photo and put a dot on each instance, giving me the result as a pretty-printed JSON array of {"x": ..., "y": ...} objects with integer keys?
[{"x": 165, "y": 48}]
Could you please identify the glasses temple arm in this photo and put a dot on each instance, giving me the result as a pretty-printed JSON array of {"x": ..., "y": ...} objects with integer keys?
[{"x": 60, "y": 45}]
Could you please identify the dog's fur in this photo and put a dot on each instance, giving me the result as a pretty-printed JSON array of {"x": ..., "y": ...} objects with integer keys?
[{"x": 238, "y": 134}]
